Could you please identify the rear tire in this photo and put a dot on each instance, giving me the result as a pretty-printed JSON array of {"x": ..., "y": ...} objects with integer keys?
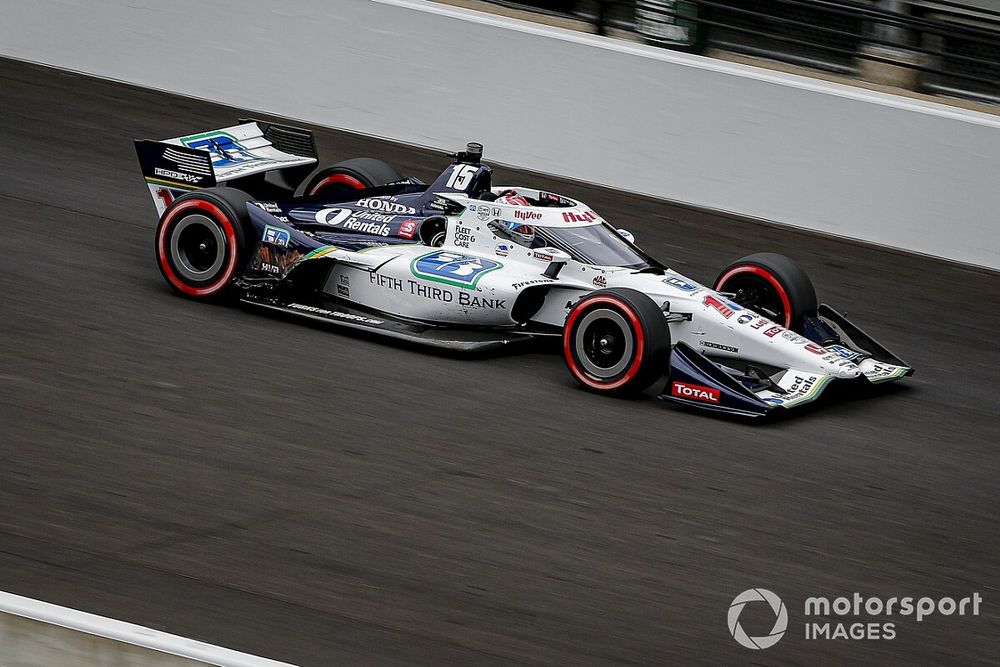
[
  {"x": 616, "y": 341},
  {"x": 771, "y": 285},
  {"x": 344, "y": 177},
  {"x": 200, "y": 241}
]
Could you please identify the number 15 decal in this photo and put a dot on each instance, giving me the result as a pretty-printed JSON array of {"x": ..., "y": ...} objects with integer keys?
[{"x": 461, "y": 176}]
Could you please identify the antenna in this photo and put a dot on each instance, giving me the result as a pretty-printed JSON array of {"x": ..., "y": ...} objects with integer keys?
[{"x": 472, "y": 154}]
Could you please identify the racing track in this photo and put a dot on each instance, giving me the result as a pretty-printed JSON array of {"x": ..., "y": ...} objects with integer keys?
[{"x": 327, "y": 500}]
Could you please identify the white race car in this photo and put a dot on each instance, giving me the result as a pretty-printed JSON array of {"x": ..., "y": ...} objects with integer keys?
[{"x": 466, "y": 265}]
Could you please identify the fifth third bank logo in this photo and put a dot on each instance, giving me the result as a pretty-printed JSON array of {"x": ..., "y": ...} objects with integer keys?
[{"x": 780, "y": 618}]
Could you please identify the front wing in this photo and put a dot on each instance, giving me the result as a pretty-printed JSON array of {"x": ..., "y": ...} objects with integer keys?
[{"x": 696, "y": 381}]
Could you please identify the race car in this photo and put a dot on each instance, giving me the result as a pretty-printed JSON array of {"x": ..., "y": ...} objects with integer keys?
[{"x": 465, "y": 265}]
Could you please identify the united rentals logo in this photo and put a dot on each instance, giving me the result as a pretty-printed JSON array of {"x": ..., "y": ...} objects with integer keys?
[
  {"x": 362, "y": 221},
  {"x": 780, "y": 618}
]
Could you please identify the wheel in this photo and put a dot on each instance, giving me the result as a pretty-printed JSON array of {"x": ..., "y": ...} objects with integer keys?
[
  {"x": 772, "y": 285},
  {"x": 355, "y": 174},
  {"x": 616, "y": 341},
  {"x": 200, "y": 241}
]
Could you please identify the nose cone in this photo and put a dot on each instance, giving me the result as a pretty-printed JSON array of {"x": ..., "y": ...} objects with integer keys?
[{"x": 843, "y": 371}]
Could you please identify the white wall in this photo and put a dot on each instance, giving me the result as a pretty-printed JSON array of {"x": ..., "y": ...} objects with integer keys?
[
  {"x": 885, "y": 169},
  {"x": 38, "y": 634}
]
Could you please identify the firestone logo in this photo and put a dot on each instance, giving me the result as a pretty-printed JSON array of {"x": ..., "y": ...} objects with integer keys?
[{"x": 780, "y": 618}]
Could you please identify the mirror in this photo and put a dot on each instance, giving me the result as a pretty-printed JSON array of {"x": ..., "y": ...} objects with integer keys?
[
  {"x": 556, "y": 258},
  {"x": 627, "y": 235}
]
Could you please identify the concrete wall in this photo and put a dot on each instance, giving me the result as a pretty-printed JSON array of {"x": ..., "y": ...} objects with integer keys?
[
  {"x": 37, "y": 634},
  {"x": 890, "y": 170}
]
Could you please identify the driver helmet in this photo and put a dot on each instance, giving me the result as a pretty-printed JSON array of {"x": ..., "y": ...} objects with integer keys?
[
  {"x": 511, "y": 197},
  {"x": 520, "y": 232}
]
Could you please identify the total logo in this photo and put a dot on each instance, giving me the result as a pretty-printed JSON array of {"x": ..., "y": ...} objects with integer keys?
[
  {"x": 544, "y": 256},
  {"x": 695, "y": 392},
  {"x": 527, "y": 215}
]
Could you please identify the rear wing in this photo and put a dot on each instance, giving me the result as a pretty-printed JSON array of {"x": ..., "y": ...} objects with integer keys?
[{"x": 174, "y": 166}]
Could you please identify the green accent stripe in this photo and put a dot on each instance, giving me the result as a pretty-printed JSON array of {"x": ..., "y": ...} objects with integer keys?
[
  {"x": 813, "y": 394},
  {"x": 325, "y": 248},
  {"x": 895, "y": 375}
]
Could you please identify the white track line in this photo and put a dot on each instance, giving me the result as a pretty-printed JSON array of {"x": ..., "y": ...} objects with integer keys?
[{"x": 128, "y": 633}]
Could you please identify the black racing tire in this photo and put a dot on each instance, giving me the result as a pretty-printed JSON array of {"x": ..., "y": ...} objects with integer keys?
[
  {"x": 344, "y": 177},
  {"x": 200, "y": 242},
  {"x": 772, "y": 285},
  {"x": 616, "y": 341}
]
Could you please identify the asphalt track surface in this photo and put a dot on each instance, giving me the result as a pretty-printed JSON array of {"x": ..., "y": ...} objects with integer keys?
[{"x": 326, "y": 500}]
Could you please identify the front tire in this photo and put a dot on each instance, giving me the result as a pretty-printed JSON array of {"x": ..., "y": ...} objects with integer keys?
[
  {"x": 616, "y": 341},
  {"x": 200, "y": 242},
  {"x": 771, "y": 285},
  {"x": 345, "y": 177}
]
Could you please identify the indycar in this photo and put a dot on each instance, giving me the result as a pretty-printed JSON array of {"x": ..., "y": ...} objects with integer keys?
[{"x": 464, "y": 265}]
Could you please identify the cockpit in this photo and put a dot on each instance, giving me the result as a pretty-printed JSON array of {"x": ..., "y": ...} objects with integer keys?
[{"x": 586, "y": 239}]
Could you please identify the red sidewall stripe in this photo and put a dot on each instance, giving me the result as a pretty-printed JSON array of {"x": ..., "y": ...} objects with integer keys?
[
  {"x": 163, "y": 256},
  {"x": 344, "y": 179},
  {"x": 568, "y": 345},
  {"x": 786, "y": 303}
]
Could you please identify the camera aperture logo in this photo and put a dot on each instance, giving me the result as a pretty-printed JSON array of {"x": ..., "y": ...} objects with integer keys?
[
  {"x": 865, "y": 618},
  {"x": 780, "y": 618}
]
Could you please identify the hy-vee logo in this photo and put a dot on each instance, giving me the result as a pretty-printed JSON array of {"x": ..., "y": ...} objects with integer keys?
[
  {"x": 453, "y": 268},
  {"x": 588, "y": 216}
]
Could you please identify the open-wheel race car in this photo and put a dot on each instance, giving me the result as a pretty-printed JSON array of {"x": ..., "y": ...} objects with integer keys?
[{"x": 466, "y": 265}]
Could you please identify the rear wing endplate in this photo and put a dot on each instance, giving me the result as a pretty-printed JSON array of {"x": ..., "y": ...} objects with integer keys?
[{"x": 174, "y": 166}]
